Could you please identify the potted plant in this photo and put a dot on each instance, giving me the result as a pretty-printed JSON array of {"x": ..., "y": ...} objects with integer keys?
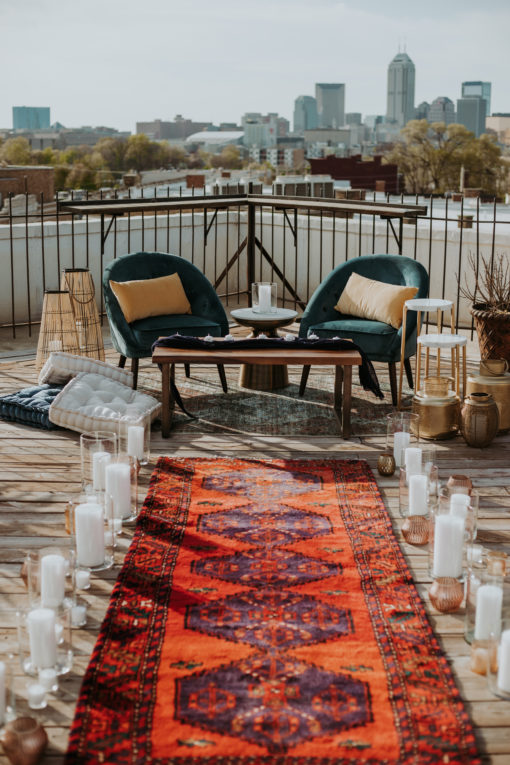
[{"x": 490, "y": 298}]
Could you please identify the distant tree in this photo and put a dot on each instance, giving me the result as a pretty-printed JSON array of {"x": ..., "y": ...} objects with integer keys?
[
  {"x": 16, "y": 151},
  {"x": 60, "y": 177},
  {"x": 144, "y": 154},
  {"x": 46, "y": 156},
  {"x": 177, "y": 157},
  {"x": 81, "y": 177},
  {"x": 113, "y": 152},
  {"x": 430, "y": 156},
  {"x": 229, "y": 158}
]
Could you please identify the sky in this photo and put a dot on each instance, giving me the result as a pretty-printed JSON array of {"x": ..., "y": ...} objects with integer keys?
[{"x": 116, "y": 62}]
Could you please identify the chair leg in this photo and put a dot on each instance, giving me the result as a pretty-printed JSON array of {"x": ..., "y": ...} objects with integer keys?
[
  {"x": 187, "y": 370},
  {"x": 221, "y": 372},
  {"x": 122, "y": 361},
  {"x": 304, "y": 379},
  {"x": 134, "y": 370},
  {"x": 409, "y": 373},
  {"x": 392, "y": 369}
]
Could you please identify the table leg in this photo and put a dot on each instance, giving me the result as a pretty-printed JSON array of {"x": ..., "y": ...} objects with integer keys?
[
  {"x": 347, "y": 402},
  {"x": 339, "y": 400},
  {"x": 167, "y": 399},
  {"x": 402, "y": 354}
]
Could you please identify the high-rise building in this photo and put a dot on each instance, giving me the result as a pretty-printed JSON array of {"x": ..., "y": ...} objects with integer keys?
[
  {"x": 442, "y": 109},
  {"x": 305, "y": 114},
  {"x": 422, "y": 111},
  {"x": 353, "y": 118},
  {"x": 330, "y": 99},
  {"x": 471, "y": 113},
  {"x": 30, "y": 117},
  {"x": 400, "y": 103},
  {"x": 478, "y": 89}
]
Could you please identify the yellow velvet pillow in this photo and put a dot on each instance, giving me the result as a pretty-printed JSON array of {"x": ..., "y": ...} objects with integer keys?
[
  {"x": 369, "y": 299},
  {"x": 142, "y": 298}
]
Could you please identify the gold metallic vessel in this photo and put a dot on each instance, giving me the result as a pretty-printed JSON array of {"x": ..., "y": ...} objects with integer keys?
[
  {"x": 439, "y": 415},
  {"x": 499, "y": 388}
]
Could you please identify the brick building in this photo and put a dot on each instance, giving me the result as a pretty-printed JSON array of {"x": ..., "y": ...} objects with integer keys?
[
  {"x": 361, "y": 174},
  {"x": 18, "y": 179}
]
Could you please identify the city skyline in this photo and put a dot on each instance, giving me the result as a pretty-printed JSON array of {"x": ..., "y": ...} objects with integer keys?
[{"x": 118, "y": 62}]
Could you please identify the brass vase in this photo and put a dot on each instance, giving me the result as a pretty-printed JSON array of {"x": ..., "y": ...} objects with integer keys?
[{"x": 479, "y": 419}]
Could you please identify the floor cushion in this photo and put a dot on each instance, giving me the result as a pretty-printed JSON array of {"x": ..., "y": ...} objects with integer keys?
[
  {"x": 62, "y": 367},
  {"x": 30, "y": 406},
  {"x": 92, "y": 402}
]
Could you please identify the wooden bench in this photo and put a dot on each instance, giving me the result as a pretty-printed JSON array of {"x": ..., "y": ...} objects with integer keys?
[{"x": 343, "y": 361}]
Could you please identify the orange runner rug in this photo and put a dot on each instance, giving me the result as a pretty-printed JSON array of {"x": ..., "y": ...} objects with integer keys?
[{"x": 265, "y": 614}]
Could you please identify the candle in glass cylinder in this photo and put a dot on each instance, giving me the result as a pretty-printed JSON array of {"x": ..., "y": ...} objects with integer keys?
[
  {"x": 412, "y": 459},
  {"x": 504, "y": 662},
  {"x": 99, "y": 462},
  {"x": 264, "y": 298},
  {"x": 89, "y": 525},
  {"x": 53, "y": 578},
  {"x": 448, "y": 546},
  {"x": 489, "y": 602},
  {"x": 42, "y": 638},
  {"x": 3, "y": 691},
  {"x": 136, "y": 435},
  {"x": 417, "y": 494},
  {"x": 36, "y": 696},
  {"x": 401, "y": 441},
  {"x": 118, "y": 488}
]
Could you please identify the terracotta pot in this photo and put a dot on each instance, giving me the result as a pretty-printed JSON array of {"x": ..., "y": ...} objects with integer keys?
[{"x": 479, "y": 419}]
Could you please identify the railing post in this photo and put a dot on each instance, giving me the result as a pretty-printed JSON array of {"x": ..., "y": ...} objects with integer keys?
[{"x": 250, "y": 249}]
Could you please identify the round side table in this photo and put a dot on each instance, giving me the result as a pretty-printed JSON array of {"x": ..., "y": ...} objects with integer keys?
[
  {"x": 423, "y": 305},
  {"x": 258, "y": 376}
]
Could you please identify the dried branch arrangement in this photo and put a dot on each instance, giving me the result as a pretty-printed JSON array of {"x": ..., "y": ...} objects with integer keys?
[{"x": 492, "y": 283}]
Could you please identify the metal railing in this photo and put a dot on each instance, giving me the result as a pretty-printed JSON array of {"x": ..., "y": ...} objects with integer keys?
[{"x": 238, "y": 239}]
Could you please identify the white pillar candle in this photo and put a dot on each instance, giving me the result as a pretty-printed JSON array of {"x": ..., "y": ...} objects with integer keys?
[
  {"x": 89, "y": 525},
  {"x": 36, "y": 696},
  {"x": 3, "y": 692},
  {"x": 504, "y": 662},
  {"x": 489, "y": 601},
  {"x": 417, "y": 494},
  {"x": 99, "y": 462},
  {"x": 448, "y": 545},
  {"x": 264, "y": 298},
  {"x": 41, "y": 637},
  {"x": 401, "y": 441},
  {"x": 118, "y": 487},
  {"x": 136, "y": 435},
  {"x": 53, "y": 580},
  {"x": 82, "y": 579},
  {"x": 412, "y": 460}
]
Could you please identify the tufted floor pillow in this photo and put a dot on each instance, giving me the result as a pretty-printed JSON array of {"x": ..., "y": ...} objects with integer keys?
[
  {"x": 30, "y": 406},
  {"x": 93, "y": 402},
  {"x": 62, "y": 367}
]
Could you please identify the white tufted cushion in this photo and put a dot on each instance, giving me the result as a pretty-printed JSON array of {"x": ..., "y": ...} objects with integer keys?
[
  {"x": 62, "y": 367},
  {"x": 94, "y": 402}
]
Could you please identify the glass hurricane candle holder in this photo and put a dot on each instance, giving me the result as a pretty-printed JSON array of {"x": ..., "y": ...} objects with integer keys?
[
  {"x": 7, "y": 695},
  {"x": 484, "y": 593},
  {"x": 447, "y": 543},
  {"x": 264, "y": 297},
  {"x": 135, "y": 438},
  {"x": 50, "y": 577},
  {"x": 44, "y": 640},
  {"x": 498, "y": 665},
  {"x": 97, "y": 450},
  {"x": 94, "y": 535},
  {"x": 402, "y": 431},
  {"x": 463, "y": 505}
]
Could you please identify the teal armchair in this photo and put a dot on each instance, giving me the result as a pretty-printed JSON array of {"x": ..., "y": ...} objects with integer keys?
[
  {"x": 135, "y": 340},
  {"x": 380, "y": 341}
]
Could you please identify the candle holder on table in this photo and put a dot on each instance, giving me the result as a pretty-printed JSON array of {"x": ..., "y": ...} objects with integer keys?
[
  {"x": 94, "y": 533},
  {"x": 418, "y": 487},
  {"x": 402, "y": 431},
  {"x": 121, "y": 491},
  {"x": 44, "y": 641},
  {"x": 24, "y": 741},
  {"x": 498, "y": 664},
  {"x": 50, "y": 577},
  {"x": 264, "y": 297},
  {"x": 135, "y": 437},
  {"x": 484, "y": 602},
  {"x": 447, "y": 542},
  {"x": 97, "y": 450}
]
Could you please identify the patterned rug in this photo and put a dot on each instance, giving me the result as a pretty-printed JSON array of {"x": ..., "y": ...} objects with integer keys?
[
  {"x": 265, "y": 614},
  {"x": 279, "y": 412}
]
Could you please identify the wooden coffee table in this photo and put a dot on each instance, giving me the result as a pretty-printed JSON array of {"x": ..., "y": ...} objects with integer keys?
[{"x": 343, "y": 361}]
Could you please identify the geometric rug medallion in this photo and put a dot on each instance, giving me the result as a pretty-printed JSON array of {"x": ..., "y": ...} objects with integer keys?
[{"x": 265, "y": 614}]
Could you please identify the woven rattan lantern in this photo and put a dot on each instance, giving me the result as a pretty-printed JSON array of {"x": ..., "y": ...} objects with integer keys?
[
  {"x": 58, "y": 326},
  {"x": 78, "y": 282}
]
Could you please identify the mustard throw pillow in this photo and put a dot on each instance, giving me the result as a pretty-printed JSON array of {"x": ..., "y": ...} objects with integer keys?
[
  {"x": 369, "y": 299},
  {"x": 141, "y": 298}
]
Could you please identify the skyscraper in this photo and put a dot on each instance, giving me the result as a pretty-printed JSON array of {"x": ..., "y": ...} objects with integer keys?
[
  {"x": 305, "y": 113},
  {"x": 330, "y": 99},
  {"x": 471, "y": 113},
  {"x": 400, "y": 104},
  {"x": 442, "y": 109},
  {"x": 30, "y": 117},
  {"x": 480, "y": 89}
]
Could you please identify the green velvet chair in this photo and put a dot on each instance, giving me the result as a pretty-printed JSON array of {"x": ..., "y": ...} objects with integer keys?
[
  {"x": 380, "y": 341},
  {"x": 135, "y": 340}
]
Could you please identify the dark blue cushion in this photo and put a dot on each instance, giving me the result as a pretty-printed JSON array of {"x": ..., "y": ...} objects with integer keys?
[{"x": 30, "y": 406}]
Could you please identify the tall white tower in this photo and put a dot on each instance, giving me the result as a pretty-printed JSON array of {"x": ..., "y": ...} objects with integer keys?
[{"x": 400, "y": 106}]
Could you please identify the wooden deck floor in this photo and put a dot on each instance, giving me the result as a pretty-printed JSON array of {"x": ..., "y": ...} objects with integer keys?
[{"x": 40, "y": 471}]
